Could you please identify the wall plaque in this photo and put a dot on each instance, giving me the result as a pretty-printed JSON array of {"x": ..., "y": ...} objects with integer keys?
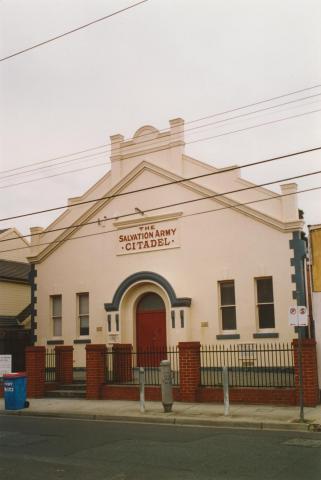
[{"x": 148, "y": 237}]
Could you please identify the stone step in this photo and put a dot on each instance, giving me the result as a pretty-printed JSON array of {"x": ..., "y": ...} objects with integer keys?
[
  {"x": 66, "y": 394},
  {"x": 73, "y": 386}
]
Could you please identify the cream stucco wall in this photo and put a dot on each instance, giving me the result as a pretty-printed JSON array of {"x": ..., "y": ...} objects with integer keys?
[
  {"x": 240, "y": 244},
  {"x": 216, "y": 246}
]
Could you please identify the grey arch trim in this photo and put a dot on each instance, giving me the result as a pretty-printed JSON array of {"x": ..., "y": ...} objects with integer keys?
[{"x": 142, "y": 276}]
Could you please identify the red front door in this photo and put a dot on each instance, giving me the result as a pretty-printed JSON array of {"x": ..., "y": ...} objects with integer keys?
[{"x": 151, "y": 331}]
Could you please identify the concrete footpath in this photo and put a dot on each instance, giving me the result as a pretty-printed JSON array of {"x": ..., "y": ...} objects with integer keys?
[{"x": 204, "y": 414}]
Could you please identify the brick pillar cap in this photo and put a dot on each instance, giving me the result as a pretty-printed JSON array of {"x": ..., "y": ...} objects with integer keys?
[
  {"x": 38, "y": 348},
  {"x": 305, "y": 342},
  {"x": 65, "y": 348},
  {"x": 188, "y": 345}
]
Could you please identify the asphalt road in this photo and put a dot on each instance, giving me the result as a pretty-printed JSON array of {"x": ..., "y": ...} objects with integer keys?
[{"x": 33, "y": 448}]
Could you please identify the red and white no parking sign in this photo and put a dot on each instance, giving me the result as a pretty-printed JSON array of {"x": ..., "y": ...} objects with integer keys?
[{"x": 298, "y": 316}]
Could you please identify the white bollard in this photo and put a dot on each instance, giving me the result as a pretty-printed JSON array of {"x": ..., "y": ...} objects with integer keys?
[
  {"x": 166, "y": 385},
  {"x": 141, "y": 390},
  {"x": 226, "y": 392}
]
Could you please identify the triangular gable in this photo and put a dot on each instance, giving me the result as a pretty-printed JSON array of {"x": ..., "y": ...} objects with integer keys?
[
  {"x": 13, "y": 245},
  {"x": 166, "y": 176}
]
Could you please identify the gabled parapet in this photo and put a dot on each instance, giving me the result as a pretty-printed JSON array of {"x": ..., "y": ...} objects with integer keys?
[
  {"x": 290, "y": 202},
  {"x": 35, "y": 233},
  {"x": 148, "y": 143}
]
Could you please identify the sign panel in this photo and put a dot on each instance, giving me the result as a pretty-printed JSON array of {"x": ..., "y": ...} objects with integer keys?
[
  {"x": 302, "y": 316},
  {"x": 298, "y": 316},
  {"x": 5, "y": 364},
  {"x": 149, "y": 237}
]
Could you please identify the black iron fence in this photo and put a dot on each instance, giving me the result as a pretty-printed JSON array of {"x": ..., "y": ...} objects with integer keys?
[
  {"x": 249, "y": 365},
  {"x": 122, "y": 366},
  {"x": 50, "y": 369}
]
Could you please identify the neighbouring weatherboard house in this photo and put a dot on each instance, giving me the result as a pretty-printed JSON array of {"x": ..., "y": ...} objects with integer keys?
[
  {"x": 15, "y": 296},
  {"x": 315, "y": 282},
  {"x": 209, "y": 257}
]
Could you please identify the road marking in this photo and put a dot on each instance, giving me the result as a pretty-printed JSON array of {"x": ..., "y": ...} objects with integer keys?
[{"x": 303, "y": 442}]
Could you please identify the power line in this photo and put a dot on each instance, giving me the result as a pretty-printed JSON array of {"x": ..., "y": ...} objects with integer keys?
[
  {"x": 185, "y": 202},
  {"x": 37, "y": 169},
  {"x": 257, "y": 103},
  {"x": 95, "y": 155},
  {"x": 164, "y": 129},
  {"x": 73, "y": 30},
  {"x": 186, "y": 143},
  {"x": 235, "y": 205},
  {"x": 109, "y": 197},
  {"x": 56, "y": 158},
  {"x": 271, "y": 122},
  {"x": 59, "y": 174}
]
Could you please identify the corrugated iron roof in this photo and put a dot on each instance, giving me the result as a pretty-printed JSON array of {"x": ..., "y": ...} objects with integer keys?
[
  {"x": 8, "y": 321},
  {"x": 10, "y": 270}
]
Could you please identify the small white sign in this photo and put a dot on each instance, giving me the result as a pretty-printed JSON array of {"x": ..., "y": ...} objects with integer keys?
[
  {"x": 298, "y": 316},
  {"x": 5, "y": 364},
  {"x": 303, "y": 316}
]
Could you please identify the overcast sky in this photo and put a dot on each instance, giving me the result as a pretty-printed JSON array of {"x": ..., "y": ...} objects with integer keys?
[{"x": 160, "y": 60}]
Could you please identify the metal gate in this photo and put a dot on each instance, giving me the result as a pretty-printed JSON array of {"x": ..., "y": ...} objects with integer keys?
[{"x": 14, "y": 342}]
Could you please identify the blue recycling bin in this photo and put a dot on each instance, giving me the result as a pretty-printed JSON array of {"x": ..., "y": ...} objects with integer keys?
[{"x": 15, "y": 390}]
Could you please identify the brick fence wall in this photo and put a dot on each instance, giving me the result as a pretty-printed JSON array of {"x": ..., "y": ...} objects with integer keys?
[
  {"x": 189, "y": 370},
  {"x": 64, "y": 364},
  {"x": 95, "y": 370},
  {"x": 189, "y": 389},
  {"x": 311, "y": 393},
  {"x": 35, "y": 369}
]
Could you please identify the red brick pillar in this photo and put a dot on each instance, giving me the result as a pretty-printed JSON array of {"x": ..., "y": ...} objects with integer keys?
[
  {"x": 64, "y": 364},
  {"x": 311, "y": 393},
  {"x": 35, "y": 369},
  {"x": 189, "y": 370},
  {"x": 95, "y": 370},
  {"x": 122, "y": 362}
]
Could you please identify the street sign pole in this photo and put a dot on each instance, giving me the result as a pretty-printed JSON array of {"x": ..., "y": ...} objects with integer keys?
[
  {"x": 298, "y": 317},
  {"x": 300, "y": 332}
]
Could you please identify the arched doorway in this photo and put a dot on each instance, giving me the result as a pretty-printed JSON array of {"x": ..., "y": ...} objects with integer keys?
[{"x": 151, "y": 328}]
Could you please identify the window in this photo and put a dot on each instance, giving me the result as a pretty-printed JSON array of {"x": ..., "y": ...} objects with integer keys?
[
  {"x": 150, "y": 302},
  {"x": 83, "y": 313},
  {"x": 109, "y": 323},
  {"x": 227, "y": 305},
  {"x": 265, "y": 303},
  {"x": 56, "y": 302}
]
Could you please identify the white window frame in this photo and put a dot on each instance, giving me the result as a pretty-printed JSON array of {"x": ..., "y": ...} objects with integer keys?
[
  {"x": 80, "y": 315},
  {"x": 265, "y": 329},
  {"x": 55, "y": 318},
  {"x": 221, "y": 307}
]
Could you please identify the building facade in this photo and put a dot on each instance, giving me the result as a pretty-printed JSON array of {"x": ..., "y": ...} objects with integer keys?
[
  {"x": 15, "y": 296},
  {"x": 165, "y": 248},
  {"x": 315, "y": 282}
]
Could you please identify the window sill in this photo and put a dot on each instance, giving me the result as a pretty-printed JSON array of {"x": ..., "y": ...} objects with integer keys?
[
  {"x": 55, "y": 342},
  {"x": 228, "y": 336},
  {"x": 266, "y": 335},
  {"x": 82, "y": 340}
]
